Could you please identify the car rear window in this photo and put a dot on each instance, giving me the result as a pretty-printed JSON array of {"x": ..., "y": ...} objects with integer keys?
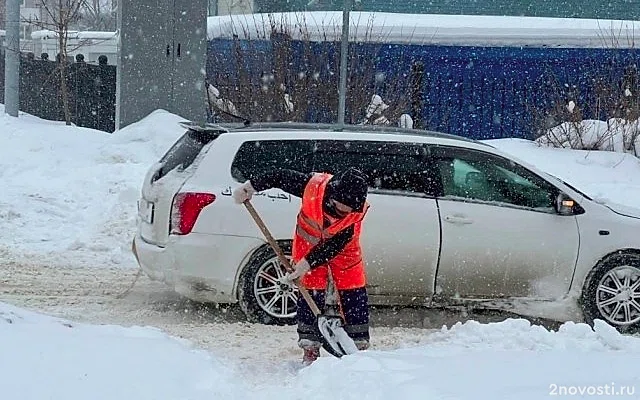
[
  {"x": 184, "y": 151},
  {"x": 257, "y": 156}
]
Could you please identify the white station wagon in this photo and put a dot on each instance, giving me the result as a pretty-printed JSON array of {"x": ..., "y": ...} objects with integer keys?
[{"x": 453, "y": 222}]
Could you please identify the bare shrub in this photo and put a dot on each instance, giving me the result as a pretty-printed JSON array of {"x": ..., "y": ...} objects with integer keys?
[
  {"x": 611, "y": 99},
  {"x": 284, "y": 74}
]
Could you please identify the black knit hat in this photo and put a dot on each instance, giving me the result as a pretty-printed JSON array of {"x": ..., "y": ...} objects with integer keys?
[{"x": 350, "y": 188}]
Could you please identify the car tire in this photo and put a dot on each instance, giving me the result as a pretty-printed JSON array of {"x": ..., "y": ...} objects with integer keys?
[
  {"x": 612, "y": 292},
  {"x": 261, "y": 281}
]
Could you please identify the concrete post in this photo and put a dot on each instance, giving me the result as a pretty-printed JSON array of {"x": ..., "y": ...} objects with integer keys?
[
  {"x": 12, "y": 59},
  {"x": 344, "y": 59}
]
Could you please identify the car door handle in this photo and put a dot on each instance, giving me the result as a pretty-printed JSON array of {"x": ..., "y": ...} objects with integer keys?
[{"x": 455, "y": 219}]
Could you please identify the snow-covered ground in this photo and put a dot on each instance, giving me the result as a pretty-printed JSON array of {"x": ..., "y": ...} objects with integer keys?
[
  {"x": 67, "y": 213},
  {"x": 51, "y": 358},
  {"x": 70, "y": 193}
]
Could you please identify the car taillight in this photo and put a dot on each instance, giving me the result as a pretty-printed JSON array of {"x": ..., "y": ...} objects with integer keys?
[{"x": 185, "y": 210}]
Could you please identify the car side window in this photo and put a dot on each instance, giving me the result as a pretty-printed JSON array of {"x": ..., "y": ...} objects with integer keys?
[
  {"x": 389, "y": 166},
  {"x": 474, "y": 175},
  {"x": 257, "y": 156}
]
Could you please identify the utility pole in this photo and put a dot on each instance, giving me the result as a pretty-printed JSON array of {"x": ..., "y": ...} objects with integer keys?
[
  {"x": 12, "y": 58},
  {"x": 344, "y": 59}
]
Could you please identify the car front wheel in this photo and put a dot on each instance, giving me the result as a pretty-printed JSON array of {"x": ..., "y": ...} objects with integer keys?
[
  {"x": 612, "y": 292},
  {"x": 264, "y": 295}
]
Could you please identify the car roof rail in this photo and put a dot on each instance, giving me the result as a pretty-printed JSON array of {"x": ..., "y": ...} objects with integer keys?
[
  {"x": 204, "y": 128},
  {"x": 382, "y": 129},
  {"x": 227, "y": 127}
]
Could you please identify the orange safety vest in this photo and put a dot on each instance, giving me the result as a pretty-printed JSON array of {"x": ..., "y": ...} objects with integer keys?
[{"x": 347, "y": 268}]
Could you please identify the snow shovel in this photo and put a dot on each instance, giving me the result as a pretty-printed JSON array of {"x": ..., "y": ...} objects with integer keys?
[{"x": 334, "y": 338}]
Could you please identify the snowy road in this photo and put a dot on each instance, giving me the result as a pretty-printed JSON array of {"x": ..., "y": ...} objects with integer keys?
[
  {"x": 92, "y": 295},
  {"x": 257, "y": 361}
]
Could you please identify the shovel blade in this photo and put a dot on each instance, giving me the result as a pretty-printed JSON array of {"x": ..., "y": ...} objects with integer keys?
[{"x": 335, "y": 338}]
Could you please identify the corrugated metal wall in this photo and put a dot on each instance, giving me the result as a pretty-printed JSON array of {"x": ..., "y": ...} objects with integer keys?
[{"x": 476, "y": 92}]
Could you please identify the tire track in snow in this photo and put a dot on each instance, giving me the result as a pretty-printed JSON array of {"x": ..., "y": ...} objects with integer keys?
[{"x": 90, "y": 295}]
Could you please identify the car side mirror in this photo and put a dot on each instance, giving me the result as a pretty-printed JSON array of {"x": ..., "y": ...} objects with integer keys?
[{"x": 565, "y": 205}]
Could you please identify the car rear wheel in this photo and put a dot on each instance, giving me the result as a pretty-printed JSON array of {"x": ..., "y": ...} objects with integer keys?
[
  {"x": 264, "y": 295},
  {"x": 612, "y": 292}
]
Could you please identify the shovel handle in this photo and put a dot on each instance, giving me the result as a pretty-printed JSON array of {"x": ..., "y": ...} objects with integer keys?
[{"x": 283, "y": 259}]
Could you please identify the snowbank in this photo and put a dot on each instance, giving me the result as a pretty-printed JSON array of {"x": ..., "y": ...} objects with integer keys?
[
  {"x": 613, "y": 135},
  {"x": 70, "y": 193},
  {"x": 50, "y": 358},
  {"x": 507, "y": 360},
  {"x": 57, "y": 359}
]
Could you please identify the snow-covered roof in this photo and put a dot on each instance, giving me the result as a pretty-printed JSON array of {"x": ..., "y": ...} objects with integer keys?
[
  {"x": 437, "y": 29},
  {"x": 47, "y": 34}
]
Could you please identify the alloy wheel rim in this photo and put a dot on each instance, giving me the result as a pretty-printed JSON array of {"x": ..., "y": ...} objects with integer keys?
[
  {"x": 275, "y": 296},
  {"x": 618, "y": 295}
]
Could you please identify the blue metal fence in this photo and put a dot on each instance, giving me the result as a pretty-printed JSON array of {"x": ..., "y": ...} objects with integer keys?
[{"x": 476, "y": 92}]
